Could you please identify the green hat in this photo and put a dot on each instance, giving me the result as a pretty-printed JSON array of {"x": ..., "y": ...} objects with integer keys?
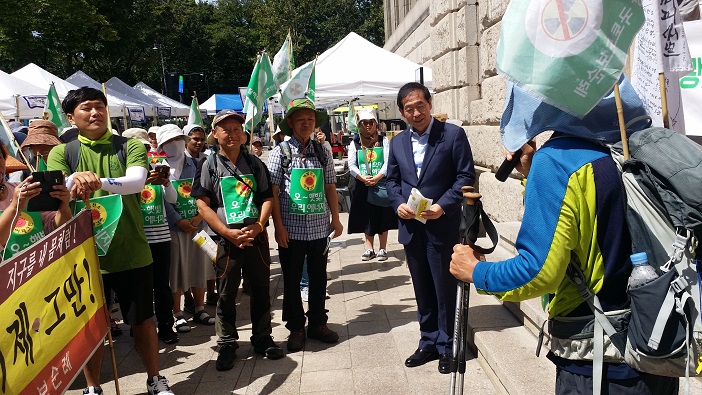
[{"x": 299, "y": 104}]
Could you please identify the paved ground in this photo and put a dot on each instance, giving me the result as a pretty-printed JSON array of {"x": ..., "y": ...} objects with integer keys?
[{"x": 372, "y": 307}]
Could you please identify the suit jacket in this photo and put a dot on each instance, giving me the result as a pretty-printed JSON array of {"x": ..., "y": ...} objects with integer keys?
[{"x": 447, "y": 166}]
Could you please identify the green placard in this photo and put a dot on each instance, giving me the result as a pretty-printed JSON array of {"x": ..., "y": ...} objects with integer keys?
[
  {"x": 152, "y": 208},
  {"x": 373, "y": 158},
  {"x": 307, "y": 191},
  {"x": 185, "y": 205},
  {"x": 28, "y": 230},
  {"x": 106, "y": 211},
  {"x": 238, "y": 198}
]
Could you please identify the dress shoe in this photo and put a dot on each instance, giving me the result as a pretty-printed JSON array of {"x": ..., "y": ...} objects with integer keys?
[
  {"x": 322, "y": 333},
  {"x": 296, "y": 340},
  {"x": 420, "y": 357},
  {"x": 445, "y": 363}
]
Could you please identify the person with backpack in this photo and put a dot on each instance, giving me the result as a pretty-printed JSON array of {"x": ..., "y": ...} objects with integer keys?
[
  {"x": 235, "y": 198},
  {"x": 304, "y": 182},
  {"x": 96, "y": 164},
  {"x": 574, "y": 220},
  {"x": 370, "y": 211}
]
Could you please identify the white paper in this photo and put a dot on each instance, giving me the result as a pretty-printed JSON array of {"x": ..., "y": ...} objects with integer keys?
[
  {"x": 205, "y": 242},
  {"x": 418, "y": 203}
]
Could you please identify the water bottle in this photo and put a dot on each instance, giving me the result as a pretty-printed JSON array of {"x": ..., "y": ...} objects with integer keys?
[{"x": 642, "y": 273}]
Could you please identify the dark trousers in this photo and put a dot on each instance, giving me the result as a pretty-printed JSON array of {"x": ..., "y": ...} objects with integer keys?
[
  {"x": 255, "y": 263},
  {"x": 434, "y": 290},
  {"x": 291, "y": 261},
  {"x": 163, "y": 295},
  {"x": 647, "y": 384}
]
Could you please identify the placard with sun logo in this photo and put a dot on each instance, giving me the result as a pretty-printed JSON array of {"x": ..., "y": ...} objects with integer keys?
[
  {"x": 238, "y": 198},
  {"x": 370, "y": 161},
  {"x": 29, "y": 228},
  {"x": 105, "y": 212},
  {"x": 152, "y": 208},
  {"x": 307, "y": 191},
  {"x": 185, "y": 205}
]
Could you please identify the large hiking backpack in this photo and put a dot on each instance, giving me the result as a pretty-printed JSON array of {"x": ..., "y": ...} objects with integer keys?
[{"x": 662, "y": 332}]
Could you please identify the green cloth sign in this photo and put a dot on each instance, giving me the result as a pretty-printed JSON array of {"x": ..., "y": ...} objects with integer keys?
[
  {"x": 238, "y": 198},
  {"x": 152, "y": 209},
  {"x": 28, "y": 230},
  {"x": 185, "y": 205},
  {"x": 568, "y": 53},
  {"x": 307, "y": 191},
  {"x": 106, "y": 211},
  {"x": 370, "y": 158}
]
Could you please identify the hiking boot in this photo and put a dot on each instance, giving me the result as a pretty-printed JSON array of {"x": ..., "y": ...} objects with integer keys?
[
  {"x": 368, "y": 255},
  {"x": 167, "y": 334},
  {"x": 225, "y": 359},
  {"x": 158, "y": 385},
  {"x": 92, "y": 390},
  {"x": 322, "y": 333},
  {"x": 382, "y": 255},
  {"x": 269, "y": 349},
  {"x": 296, "y": 340}
]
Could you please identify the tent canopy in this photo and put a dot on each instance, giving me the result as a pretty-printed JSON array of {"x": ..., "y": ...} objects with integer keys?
[
  {"x": 177, "y": 109},
  {"x": 121, "y": 87},
  {"x": 356, "y": 68},
  {"x": 43, "y": 79},
  {"x": 221, "y": 101},
  {"x": 15, "y": 91},
  {"x": 115, "y": 100}
]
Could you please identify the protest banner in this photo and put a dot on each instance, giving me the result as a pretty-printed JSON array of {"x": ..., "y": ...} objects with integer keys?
[
  {"x": 54, "y": 313},
  {"x": 690, "y": 86},
  {"x": 569, "y": 54}
]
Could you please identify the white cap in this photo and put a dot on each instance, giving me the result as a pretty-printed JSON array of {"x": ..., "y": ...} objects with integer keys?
[{"x": 167, "y": 133}]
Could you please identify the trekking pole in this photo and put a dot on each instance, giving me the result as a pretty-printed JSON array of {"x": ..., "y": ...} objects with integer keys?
[{"x": 470, "y": 226}]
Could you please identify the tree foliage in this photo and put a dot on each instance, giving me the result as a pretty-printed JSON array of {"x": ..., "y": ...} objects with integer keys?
[{"x": 214, "y": 44}]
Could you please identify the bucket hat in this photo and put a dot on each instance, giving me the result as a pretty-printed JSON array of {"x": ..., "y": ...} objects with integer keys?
[{"x": 299, "y": 104}]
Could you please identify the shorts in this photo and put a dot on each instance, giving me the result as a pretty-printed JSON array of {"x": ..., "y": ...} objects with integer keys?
[{"x": 135, "y": 291}]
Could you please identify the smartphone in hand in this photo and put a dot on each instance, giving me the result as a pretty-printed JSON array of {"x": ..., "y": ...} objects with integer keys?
[{"x": 44, "y": 201}]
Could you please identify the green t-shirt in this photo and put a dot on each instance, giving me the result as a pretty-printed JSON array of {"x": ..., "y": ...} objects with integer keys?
[{"x": 129, "y": 248}]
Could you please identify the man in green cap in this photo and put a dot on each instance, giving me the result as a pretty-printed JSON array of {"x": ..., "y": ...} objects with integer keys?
[{"x": 303, "y": 178}]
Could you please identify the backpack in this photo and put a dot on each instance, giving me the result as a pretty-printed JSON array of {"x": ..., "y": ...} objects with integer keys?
[
  {"x": 72, "y": 152},
  {"x": 318, "y": 152},
  {"x": 661, "y": 333},
  {"x": 214, "y": 175}
]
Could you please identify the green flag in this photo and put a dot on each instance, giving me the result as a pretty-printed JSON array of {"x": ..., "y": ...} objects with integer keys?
[
  {"x": 194, "y": 117},
  {"x": 106, "y": 212},
  {"x": 569, "y": 53},
  {"x": 283, "y": 63},
  {"x": 261, "y": 87},
  {"x": 8, "y": 138},
  {"x": 53, "y": 111},
  {"x": 351, "y": 120},
  {"x": 301, "y": 85},
  {"x": 41, "y": 165},
  {"x": 28, "y": 230}
]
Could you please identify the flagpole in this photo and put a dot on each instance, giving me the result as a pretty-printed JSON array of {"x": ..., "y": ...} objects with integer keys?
[
  {"x": 664, "y": 100},
  {"x": 622, "y": 125},
  {"x": 107, "y": 107},
  {"x": 155, "y": 110},
  {"x": 12, "y": 138},
  {"x": 17, "y": 113}
]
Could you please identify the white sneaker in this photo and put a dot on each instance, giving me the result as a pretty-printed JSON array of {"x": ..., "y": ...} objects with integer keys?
[
  {"x": 368, "y": 255},
  {"x": 93, "y": 390},
  {"x": 158, "y": 385},
  {"x": 382, "y": 255},
  {"x": 305, "y": 294}
]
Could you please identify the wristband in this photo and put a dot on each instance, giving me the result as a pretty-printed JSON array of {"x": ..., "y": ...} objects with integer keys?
[{"x": 261, "y": 225}]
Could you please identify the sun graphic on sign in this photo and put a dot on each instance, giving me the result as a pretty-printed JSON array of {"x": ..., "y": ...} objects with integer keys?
[
  {"x": 184, "y": 189},
  {"x": 371, "y": 155},
  {"x": 148, "y": 195},
  {"x": 24, "y": 224},
  {"x": 308, "y": 180},
  {"x": 99, "y": 214},
  {"x": 243, "y": 189}
]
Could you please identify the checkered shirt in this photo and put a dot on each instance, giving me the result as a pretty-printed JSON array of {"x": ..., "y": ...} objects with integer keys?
[{"x": 303, "y": 227}]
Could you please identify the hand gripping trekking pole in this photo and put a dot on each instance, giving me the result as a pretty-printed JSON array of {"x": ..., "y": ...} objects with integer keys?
[{"x": 470, "y": 226}]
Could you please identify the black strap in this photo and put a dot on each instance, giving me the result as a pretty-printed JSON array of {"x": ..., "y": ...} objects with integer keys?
[
  {"x": 473, "y": 215},
  {"x": 72, "y": 152},
  {"x": 212, "y": 160}
]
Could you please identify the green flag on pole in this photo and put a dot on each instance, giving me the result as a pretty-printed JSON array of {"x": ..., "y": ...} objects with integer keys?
[
  {"x": 283, "y": 63},
  {"x": 53, "y": 111},
  {"x": 194, "y": 116},
  {"x": 8, "y": 138},
  {"x": 351, "y": 120},
  {"x": 261, "y": 87},
  {"x": 106, "y": 212},
  {"x": 568, "y": 53},
  {"x": 301, "y": 85}
]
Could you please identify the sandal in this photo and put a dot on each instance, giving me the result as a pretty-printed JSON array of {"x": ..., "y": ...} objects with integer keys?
[
  {"x": 204, "y": 318},
  {"x": 181, "y": 325}
]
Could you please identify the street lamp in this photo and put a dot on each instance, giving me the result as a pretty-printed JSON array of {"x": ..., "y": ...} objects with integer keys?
[{"x": 163, "y": 69}]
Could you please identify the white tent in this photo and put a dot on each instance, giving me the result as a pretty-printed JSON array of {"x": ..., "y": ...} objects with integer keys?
[
  {"x": 356, "y": 68},
  {"x": 43, "y": 79},
  {"x": 29, "y": 97},
  {"x": 121, "y": 87},
  {"x": 115, "y": 100},
  {"x": 178, "y": 109}
]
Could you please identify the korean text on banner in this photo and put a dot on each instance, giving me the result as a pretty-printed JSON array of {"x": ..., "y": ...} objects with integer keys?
[
  {"x": 568, "y": 53},
  {"x": 54, "y": 316},
  {"x": 661, "y": 47},
  {"x": 691, "y": 84}
]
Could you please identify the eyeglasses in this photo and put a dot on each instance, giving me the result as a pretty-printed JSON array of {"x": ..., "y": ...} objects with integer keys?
[{"x": 419, "y": 107}]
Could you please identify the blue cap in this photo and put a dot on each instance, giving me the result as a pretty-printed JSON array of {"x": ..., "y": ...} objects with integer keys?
[{"x": 640, "y": 258}]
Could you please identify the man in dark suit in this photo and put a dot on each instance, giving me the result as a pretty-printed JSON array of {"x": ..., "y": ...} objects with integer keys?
[{"x": 435, "y": 158}]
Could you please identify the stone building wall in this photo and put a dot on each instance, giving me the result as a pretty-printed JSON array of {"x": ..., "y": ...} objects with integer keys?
[{"x": 458, "y": 40}]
